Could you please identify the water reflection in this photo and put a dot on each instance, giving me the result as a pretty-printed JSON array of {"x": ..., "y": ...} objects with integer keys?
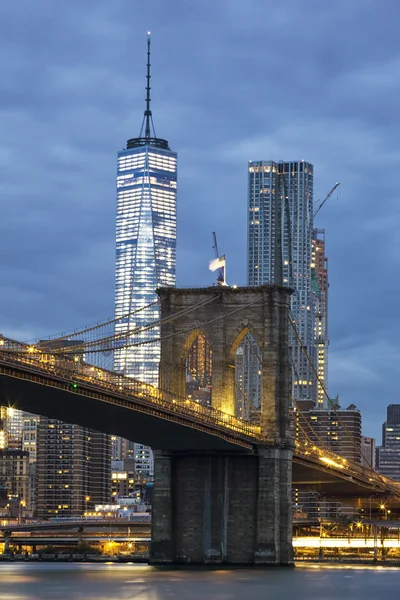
[{"x": 35, "y": 581}]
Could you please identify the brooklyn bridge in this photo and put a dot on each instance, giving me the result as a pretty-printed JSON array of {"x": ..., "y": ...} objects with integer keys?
[{"x": 208, "y": 459}]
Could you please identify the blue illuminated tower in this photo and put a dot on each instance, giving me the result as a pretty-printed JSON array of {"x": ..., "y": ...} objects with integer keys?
[{"x": 146, "y": 242}]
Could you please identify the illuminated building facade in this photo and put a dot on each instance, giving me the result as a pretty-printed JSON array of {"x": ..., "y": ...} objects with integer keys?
[
  {"x": 145, "y": 243},
  {"x": 319, "y": 273},
  {"x": 3, "y": 427},
  {"x": 280, "y": 228},
  {"x": 145, "y": 250},
  {"x": 14, "y": 427},
  {"x": 14, "y": 474},
  {"x": 388, "y": 455},
  {"x": 72, "y": 470}
]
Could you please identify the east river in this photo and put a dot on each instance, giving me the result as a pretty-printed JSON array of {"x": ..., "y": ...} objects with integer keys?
[{"x": 33, "y": 581}]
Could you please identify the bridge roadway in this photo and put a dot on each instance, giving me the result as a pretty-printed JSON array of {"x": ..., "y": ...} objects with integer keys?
[
  {"x": 76, "y": 392},
  {"x": 139, "y": 521}
]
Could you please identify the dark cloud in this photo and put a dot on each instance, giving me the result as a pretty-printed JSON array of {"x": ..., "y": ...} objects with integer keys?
[{"x": 232, "y": 81}]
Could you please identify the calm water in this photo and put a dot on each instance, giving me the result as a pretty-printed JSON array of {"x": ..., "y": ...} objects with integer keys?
[{"x": 139, "y": 582}]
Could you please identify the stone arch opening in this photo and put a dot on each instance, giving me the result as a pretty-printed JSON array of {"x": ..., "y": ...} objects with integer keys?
[
  {"x": 248, "y": 375},
  {"x": 197, "y": 362}
]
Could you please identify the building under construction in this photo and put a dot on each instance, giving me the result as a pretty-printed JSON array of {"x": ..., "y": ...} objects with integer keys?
[{"x": 319, "y": 275}]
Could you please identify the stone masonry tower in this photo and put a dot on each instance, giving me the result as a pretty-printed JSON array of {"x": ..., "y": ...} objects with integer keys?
[{"x": 218, "y": 507}]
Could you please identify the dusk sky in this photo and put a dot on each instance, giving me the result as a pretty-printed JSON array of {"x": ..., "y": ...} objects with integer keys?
[{"x": 232, "y": 81}]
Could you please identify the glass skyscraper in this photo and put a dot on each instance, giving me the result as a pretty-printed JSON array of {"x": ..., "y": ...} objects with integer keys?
[
  {"x": 280, "y": 229},
  {"x": 146, "y": 243}
]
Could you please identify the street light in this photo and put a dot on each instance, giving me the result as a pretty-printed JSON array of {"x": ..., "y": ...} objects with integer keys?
[
  {"x": 370, "y": 505},
  {"x": 87, "y": 499},
  {"x": 386, "y": 513},
  {"x": 20, "y": 507}
]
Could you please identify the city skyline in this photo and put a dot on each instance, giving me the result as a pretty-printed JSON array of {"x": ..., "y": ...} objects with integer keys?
[{"x": 66, "y": 117}]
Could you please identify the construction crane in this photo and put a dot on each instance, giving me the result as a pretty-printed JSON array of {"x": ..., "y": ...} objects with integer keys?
[
  {"x": 219, "y": 263},
  {"x": 320, "y": 203}
]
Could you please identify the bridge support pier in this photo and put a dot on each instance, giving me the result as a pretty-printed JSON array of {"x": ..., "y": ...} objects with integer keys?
[
  {"x": 80, "y": 535},
  {"x": 223, "y": 509},
  {"x": 7, "y": 538}
]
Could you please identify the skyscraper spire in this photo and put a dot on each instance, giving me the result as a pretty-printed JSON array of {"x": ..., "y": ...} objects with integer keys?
[
  {"x": 148, "y": 119},
  {"x": 147, "y": 136}
]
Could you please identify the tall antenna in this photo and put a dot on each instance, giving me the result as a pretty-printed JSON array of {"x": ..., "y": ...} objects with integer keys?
[
  {"x": 147, "y": 112},
  {"x": 148, "y": 119}
]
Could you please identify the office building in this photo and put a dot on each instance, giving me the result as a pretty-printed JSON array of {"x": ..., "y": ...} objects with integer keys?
[
  {"x": 145, "y": 243},
  {"x": 123, "y": 479},
  {"x": 3, "y": 427},
  {"x": 29, "y": 435},
  {"x": 280, "y": 229},
  {"x": 14, "y": 426},
  {"x": 368, "y": 452},
  {"x": 337, "y": 431},
  {"x": 14, "y": 475},
  {"x": 388, "y": 455},
  {"x": 144, "y": 460},
  {"x": 320, "y": 285},
  {"x": 73, "y": 469}
]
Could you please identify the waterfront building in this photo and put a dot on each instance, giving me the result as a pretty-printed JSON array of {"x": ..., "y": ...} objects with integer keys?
[
  {"x": 73, "y": 469},
  {"x": 14, "y": 475},
  {"x": 388, "y": 455},
  {"x": 123, "y": 478},
  {"x": 279, "y": 250}
]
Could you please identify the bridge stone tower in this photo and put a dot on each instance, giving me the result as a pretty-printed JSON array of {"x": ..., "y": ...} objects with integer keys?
[{"x": 218, "y": 507}]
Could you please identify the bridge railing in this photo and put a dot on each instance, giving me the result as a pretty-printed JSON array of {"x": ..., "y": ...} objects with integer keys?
[
  {"x": 329, "y": 459},
  {"x": 74, "y": 368}
]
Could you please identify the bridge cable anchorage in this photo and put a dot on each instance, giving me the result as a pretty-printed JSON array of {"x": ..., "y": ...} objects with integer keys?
[{"x": 374, "y": 473}]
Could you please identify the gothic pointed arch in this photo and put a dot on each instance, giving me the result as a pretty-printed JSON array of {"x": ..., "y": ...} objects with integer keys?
[
  {"x": 244, "y": 329},
  {"x": 189, "y": 341}
]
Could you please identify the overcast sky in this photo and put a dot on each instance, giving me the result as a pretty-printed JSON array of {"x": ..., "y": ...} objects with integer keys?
[{"x": 232, "y": 81}]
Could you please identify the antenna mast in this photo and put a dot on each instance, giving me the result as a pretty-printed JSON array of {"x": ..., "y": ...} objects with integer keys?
[
  {"x": 147, "y": 123},
  {"x": 147, "y": 112}
]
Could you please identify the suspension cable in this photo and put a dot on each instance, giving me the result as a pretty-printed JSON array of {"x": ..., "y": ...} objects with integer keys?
[
  {"x": 176, "y": 333},
  {"x": 369, "y": 465},
  {"x": 102, "y": 324}
]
